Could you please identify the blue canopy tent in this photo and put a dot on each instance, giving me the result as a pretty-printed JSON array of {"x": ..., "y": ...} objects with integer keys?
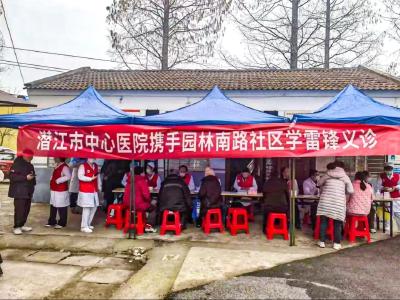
[
  {"x": 352, "y": 106},
  {"x": 87, "y": 109},
  {"x": 214, "y": 109}
]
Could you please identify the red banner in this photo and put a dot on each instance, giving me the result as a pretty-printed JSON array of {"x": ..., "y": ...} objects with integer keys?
[{"x": 149, "y": 142}]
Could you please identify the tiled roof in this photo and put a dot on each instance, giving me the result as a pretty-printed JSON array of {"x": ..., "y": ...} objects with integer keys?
[{"x": 254, "y": 79}]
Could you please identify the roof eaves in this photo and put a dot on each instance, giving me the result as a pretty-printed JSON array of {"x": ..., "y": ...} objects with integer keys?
[{"x": 36, "y": 83}]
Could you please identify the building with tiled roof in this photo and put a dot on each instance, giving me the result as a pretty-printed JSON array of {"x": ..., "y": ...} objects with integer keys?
[
  {"x": 282, "y": 92},
  {"x": 189, "y": 80}
]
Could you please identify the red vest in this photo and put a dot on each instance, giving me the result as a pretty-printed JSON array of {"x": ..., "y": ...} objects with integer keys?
[
  {"x": 390, "y": 183},
  {"x": 152, "y": 181},
  {"x": 187, "y": 178},
  {"x": 89, "y": 187},
  {"x": 57, "y": 173},
  {"x": 245, "y": 183}
]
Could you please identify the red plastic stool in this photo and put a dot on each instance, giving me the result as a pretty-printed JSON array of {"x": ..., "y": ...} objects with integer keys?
[
  {"x": 213, "y": 220},
  {"x": 168, "y": 225},
  {"x": 140, "y": 222},
  {"x": 329, "y": 230},
  {"x": 271, "y": 230},
  {"x": 117, "y": 218},
  {"x": 237, "y": 220},
  {"x": 357, "y": 226}
]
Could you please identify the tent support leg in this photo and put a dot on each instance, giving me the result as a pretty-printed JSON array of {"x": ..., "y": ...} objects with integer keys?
[
  {"x": 132, "y": 204},
  {"x": 292, "y": 167}
]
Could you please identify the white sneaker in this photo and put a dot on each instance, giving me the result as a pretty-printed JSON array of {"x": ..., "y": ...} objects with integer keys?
[
  {"x": 337, "y": 246},
  {"x": 372, "y": 230},
  {"x": 48, "y": 225},
  {"x": 91, "y": 227},
  {"x": 26, "y": 228},
  {"x": 86, "y": 230},
  {"x": 321, "y": 244},
  {"x": 17, "y": 231},
  {"x": 150, "y": 229},
  {"x": 58, "y": 227}
]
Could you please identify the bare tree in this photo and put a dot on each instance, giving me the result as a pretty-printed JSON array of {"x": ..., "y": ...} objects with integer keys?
[
  {"x": 6, "y": 133},
  {"x": 278, "y": 33},
  {"x": 392, "y": 16},
  {"x": 347, "y": 36},
  {"x": 165, "y": 33}
]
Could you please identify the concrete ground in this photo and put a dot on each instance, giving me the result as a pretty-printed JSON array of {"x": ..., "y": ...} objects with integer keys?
[
  {"x": 81, "y": 262},
  {"x": 366, "y": 272}
]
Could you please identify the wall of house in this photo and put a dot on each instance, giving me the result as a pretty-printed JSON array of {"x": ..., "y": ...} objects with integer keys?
[
  {"x": 10, "y": 135},
  {"x": 285, "y": 102}
]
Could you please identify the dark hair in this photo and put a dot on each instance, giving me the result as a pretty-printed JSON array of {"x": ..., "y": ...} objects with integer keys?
[
  {"x": 283, "y": 170},
  {"x": 340, "y": 164},
  {"x": 62, "y": 159},
  {"x": 184, "y": 166},
  {"x": 361, "y": 176},
  {"x": 313, "y": 172},
  {"x": 331, "y": 166},
  {"x": 388, "y": 168},
  {"x": 246, "y": 170},
  {"x": 366, "y": 174},
  {"x": 138, "y": 170}
]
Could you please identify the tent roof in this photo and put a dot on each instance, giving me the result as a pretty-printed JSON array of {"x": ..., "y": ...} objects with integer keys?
[
  {"x": 87, "y": 109},
  {"x": 214, "y": 109},
  {"x": 353, "y": 106}
]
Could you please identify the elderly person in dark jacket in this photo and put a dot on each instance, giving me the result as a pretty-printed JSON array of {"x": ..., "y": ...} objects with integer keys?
[
  {"x": 210, "y": 192},
  {"x": 174, "y": 195},
  {"x": 22, "y": 186},
  {"x": 276, "y": 196}
]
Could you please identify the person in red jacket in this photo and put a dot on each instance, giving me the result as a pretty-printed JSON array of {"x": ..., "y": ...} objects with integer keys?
[
  {"x": 153, "y": 178},
  {"x": 245, "y": 181},
  {"x": 142, "y": 197},
  {"x": 59, "y": 195}
]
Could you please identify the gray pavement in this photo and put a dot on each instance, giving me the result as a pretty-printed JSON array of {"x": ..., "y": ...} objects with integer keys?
[{"x": 365, "y": 272}]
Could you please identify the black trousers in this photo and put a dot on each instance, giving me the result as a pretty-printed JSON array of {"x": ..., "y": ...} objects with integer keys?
[
  {"x": 62, "y": 213},
  {"x": 371, "y": 218},
  {"x": 337, "y": 229},
  {"x": 73, "y": 199},
  {"x": 22, "y": 208}
]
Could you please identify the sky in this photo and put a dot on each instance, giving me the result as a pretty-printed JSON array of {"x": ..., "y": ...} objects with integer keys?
[{"x": 75, "y": 27}]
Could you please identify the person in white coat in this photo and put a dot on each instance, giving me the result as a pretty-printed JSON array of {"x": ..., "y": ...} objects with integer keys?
[
  {"x": 88, "y": 198},
  {"x": 59, "y": 195}
]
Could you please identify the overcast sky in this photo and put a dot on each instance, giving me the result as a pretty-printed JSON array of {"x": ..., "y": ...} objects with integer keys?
[{"x": 67, "y": 26}]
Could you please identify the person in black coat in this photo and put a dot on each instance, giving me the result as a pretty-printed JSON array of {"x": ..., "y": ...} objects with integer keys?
[
  {"x": 22, "y": 186},
  {"x": 210, "y": 193},
  {"x": 174, "y": 195}
]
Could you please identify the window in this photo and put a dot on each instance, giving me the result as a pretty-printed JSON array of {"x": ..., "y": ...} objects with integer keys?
[
  {"x": 272, "y": 112},
  {"x": 7, "y": 156},
  {"x": 152, "y": 112},
  {"x": 193, "y": 165}
]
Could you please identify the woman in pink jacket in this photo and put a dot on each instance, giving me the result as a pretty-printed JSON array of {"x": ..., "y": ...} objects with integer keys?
[{"x": 360, "y": 201}]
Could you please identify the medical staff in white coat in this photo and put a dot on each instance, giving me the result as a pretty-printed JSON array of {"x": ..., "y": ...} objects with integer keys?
[
  {"x": 59, "y": 195},
  {"x": 88, "y": 198}
]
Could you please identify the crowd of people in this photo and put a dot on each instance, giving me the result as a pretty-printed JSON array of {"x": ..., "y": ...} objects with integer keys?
[{"x": 78, "y": 183}]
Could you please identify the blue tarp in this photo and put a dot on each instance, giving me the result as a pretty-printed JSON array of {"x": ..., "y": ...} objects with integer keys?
[
  {"x": 213, "y": 109},
  {"x": 353, "y": 106},
  {"x": 87, "y": 109}
]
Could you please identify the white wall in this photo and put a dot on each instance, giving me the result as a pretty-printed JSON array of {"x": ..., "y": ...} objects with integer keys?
[{"x": 282, "y": 101}]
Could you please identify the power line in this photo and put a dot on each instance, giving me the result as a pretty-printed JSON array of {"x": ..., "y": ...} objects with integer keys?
[
  {"x": 12, "y": 42},
  {"x": 68, "y": 55},
  {"x": 36, "y": 65},
  {"x": 30, "y": 67}
]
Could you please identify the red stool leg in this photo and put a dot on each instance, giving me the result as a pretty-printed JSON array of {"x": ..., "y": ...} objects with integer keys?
[{"x": 317, "y": 228}]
